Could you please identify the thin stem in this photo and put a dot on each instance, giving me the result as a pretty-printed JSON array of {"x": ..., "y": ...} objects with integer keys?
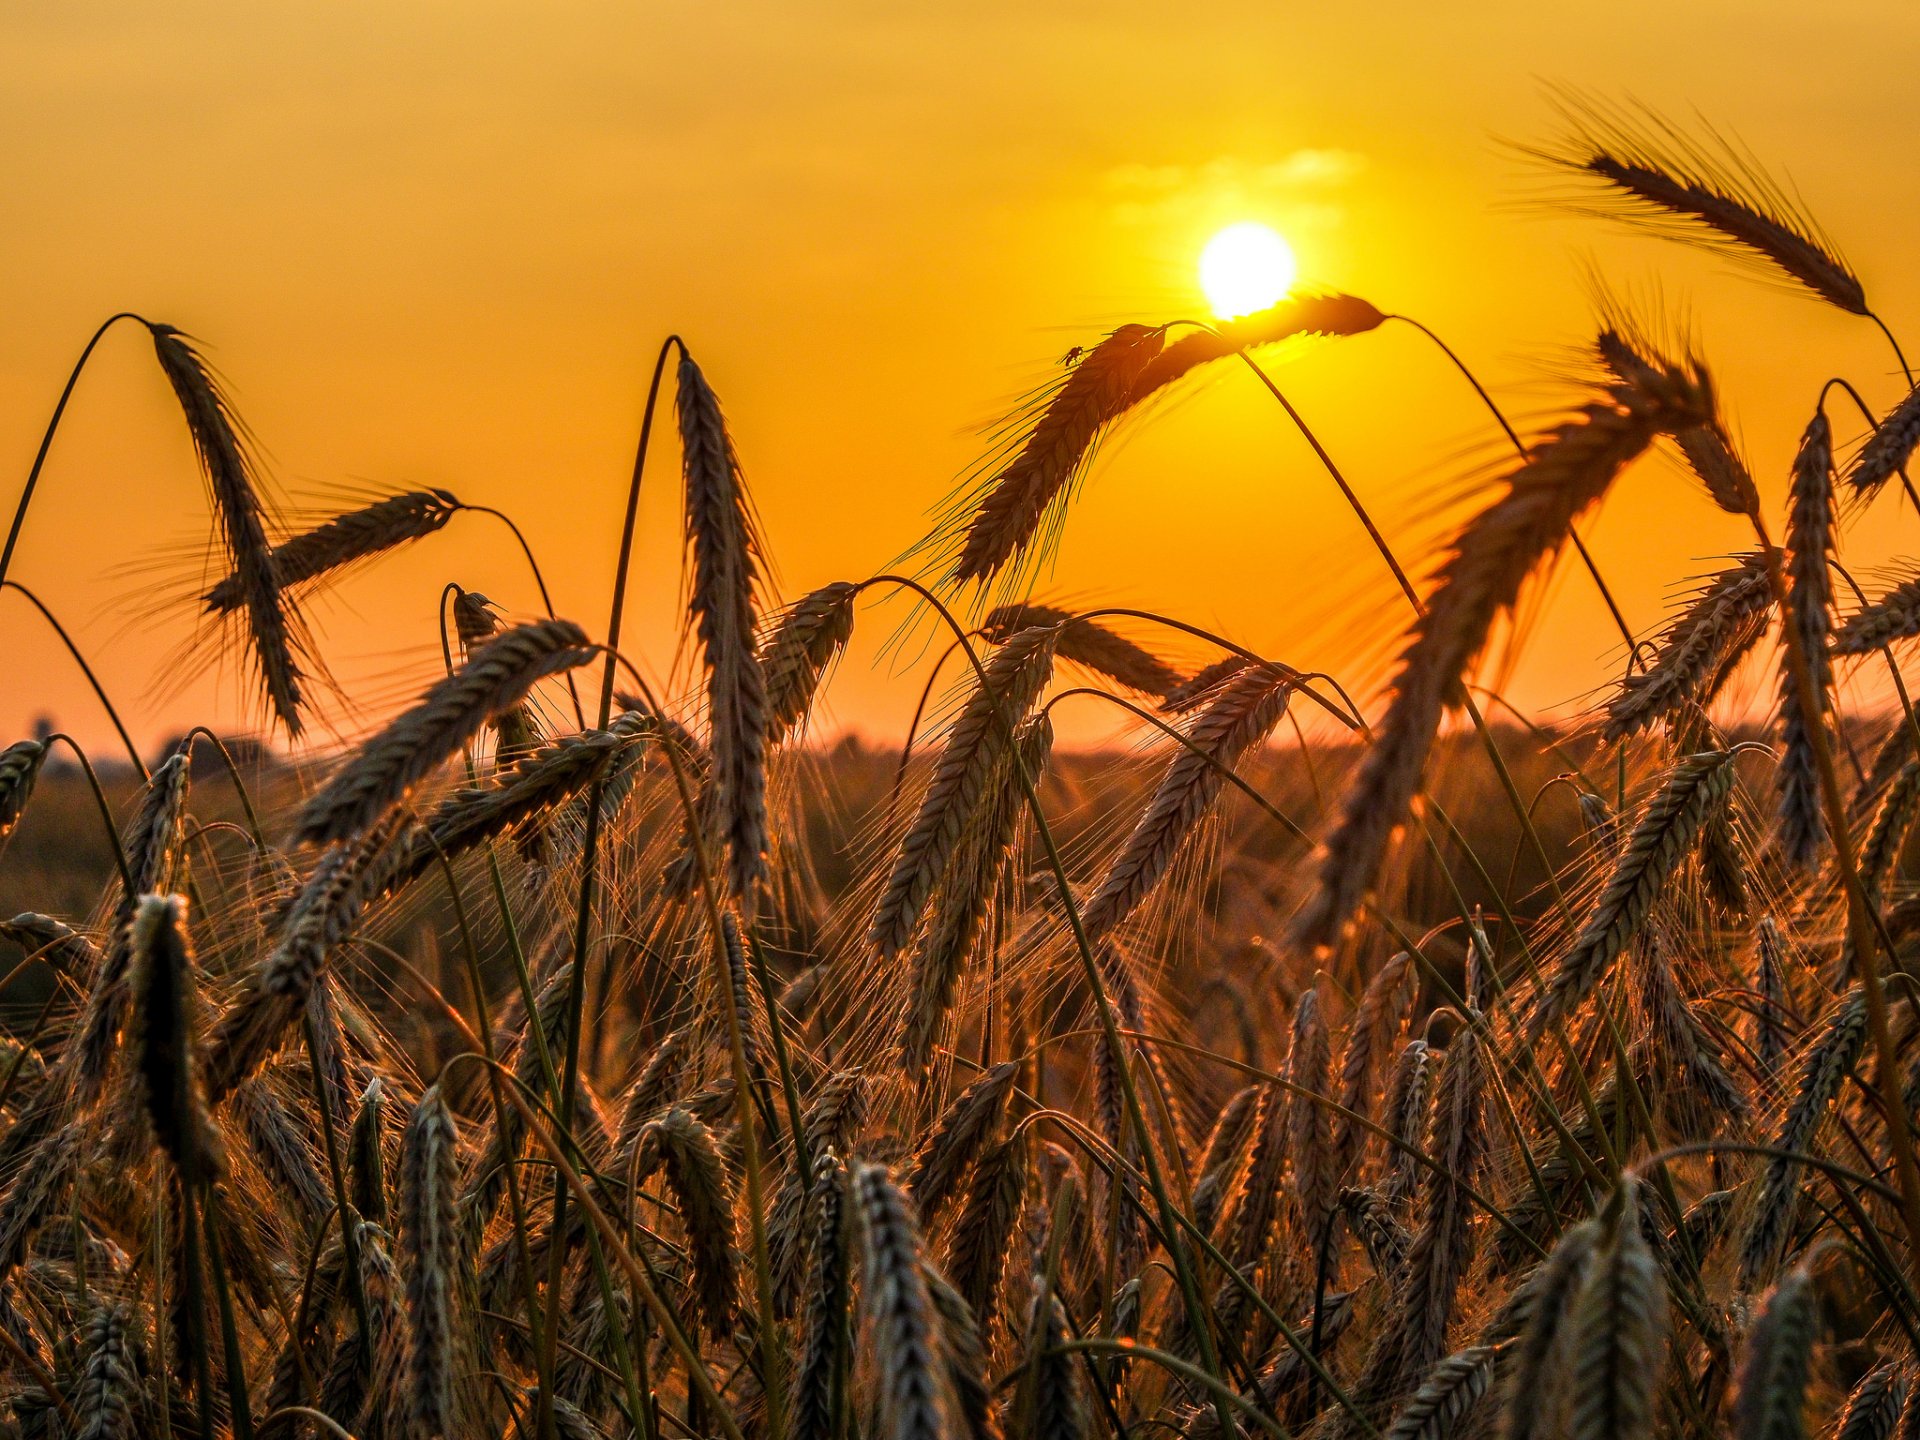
[
  {"x": 133, "y": 751},
  {"x": 1898, "y": 354},
  {"x": 1520, "y": 449},
  {"x": 46, "y": 440}
]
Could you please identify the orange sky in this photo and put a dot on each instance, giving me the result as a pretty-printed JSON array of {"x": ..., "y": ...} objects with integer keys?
[{"x": 437, "y": 245}]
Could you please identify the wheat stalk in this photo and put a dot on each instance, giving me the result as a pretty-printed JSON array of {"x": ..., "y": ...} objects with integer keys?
[
  {"x": 722, "y": 604},
  {"x": 1560, "y": 479},
  {"x": 386, "y": 767},
  {"x": 355, "y": 535}
]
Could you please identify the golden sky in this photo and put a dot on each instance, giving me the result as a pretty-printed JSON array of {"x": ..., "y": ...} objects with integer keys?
[{"x": 437, "y": 244}]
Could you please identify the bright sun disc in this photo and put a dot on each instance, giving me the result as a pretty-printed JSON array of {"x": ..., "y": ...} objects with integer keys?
[{"x": 1246, "y": 267}]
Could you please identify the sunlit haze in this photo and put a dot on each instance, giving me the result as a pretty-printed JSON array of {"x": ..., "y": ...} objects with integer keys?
[{"x": 439, "y": 246}]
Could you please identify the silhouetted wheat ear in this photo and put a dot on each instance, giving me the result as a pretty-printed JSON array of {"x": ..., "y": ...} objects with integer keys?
[
  {"x": 1382, "y": 1012},
  {"x": 1537, "y": 1316},
  {"x": 1617, "y": 1331},
  {"x": 108, "y": 1402},
  {"x": 1015, "y": 675},
  {"x": 386, "y": 767},
  {"x": 1770, "y": 984},
  {"x": 723, "y": 605},
  {"x": 324, "y": 913},
  {"x": 1874, "y": 1406},
  {"x": 521, "y": 799},
  {"x": 1224, "y": 1154},
  {"x": 703, "y": 1193},
  {"x": 1315, "y": 1180},
  {"x": 1560, "y": 479},
  {"x": 1657, "y": 178},
  {"x": 54, "y": 942},
  {"x": 430, "y": 1256},
  {"x": 983, "y": 1232},
  {"x": 1894, "y": 616},
  {"x": 1201, "y": 686},
  {"x": 1841, "y": 1036},
  {"x": 1405, "y": 1114},
  {"x": 1016, "y": 500},
  {"x": 796, "y": 653},
  {"x": 153, "y": 843},
  {"x": 832, "y": 1123},
  {"x": 965, "y": 897},
  {"x": 1809, "y": 553},
  {"x": 1627, "y": 352},
  {"x": 220, "y": 441},
  {"x": 959, "y": 1136},
  {"x": 1087, "y": 643},
  {"x": 1662, "y": 838},
  {"x": 164, "y": 1040},
  {"x": 1294, "y": 317},
  {"x": 1889, "y": 447},
  {"x": 1445, "y": 1397},
  {"x": 355, "y": 535},
  {"x": 1773, "y": 1372},
  {"x": 1242, "y": 713},
  {"x": 366, "y": 1158},
  {"x": 20, "y": 766},
  {"x": 916, "y": 1395},
  {"x": 1697, "y": 653},
  {"x": 829, "y": 1286}
]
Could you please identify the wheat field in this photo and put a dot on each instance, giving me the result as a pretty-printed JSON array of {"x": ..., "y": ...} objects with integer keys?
[{"x": 568, "y": 1058}]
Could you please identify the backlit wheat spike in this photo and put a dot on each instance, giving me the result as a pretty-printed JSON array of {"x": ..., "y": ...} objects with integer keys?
[
  {"x": 324, "y": 913},
  {"x": 430, "y": 1251},
  {"x": 796, "y": 653},
  {"x": 917, "y": 1402},
  {"x": 1445, "y": 1397},
  {"x": 1698, "y": 651},
  {"x": 1381, "y": 1013},
  {"x": 1293, "y": 317},
  {"x": 165, "y": 1040},
  {"x": 273, "y": 624},
  {"x": 516, "y": 729},
  {"x": 1632, "y": 358},
  {"x": 1616, "y": 1333},
  {"x": 1015, "y": 675},
  {"x": 1873, "y": 1409},
  {"x": 703, "y": 1192},
  {"x": 1772, "y": 1398},
  {"x": 1840, "y": 1038},
  {"x": 1198, "y": 688},
  {"x": 52, "y": 941},
  {"x": 153, "y": 843},
  {"x": 1245, "y": 709},
  {"x": 962, "y": 904},
  {"x": 723, "y": 601},
  {"x": 1225, "y": 1153},
  {"x": 355, "y": 535},
  {"x": 1894, "y": 616},
  {"x": 983, "y": 1232},
  {"x": 386, "y": 767},
  {"x": 1703, "y": 192},
  {"x": 1014, "y": 503},
  {"x": 108, "y": 1401},
  {"x": 1561, "y": 477},
  {"x": 1809, "y": 554},
  {"x": 1660, "y": 842},
  {"x": 20, "y": 766},
  {"x": 366, "y": 1155},
  {"x": 957, "y": 1139},
  {"x": 1540, "y": 1306},
  {"x": 822, "y": 1349},
  {"x": 1087, "y": 643},
  {"x": 1889, "y": 447}
]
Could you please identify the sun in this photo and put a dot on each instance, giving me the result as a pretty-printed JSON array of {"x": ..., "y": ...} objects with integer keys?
[{"x": 1246, "y": 267}]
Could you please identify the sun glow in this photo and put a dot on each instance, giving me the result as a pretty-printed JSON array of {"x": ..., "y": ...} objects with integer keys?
[{"x": 1246, "y": 267}]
